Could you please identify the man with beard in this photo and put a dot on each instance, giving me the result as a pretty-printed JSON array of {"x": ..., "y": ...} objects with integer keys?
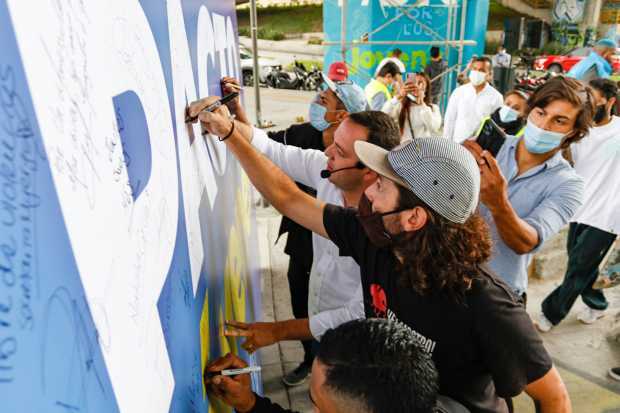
[{"x": 421, "y": 249}]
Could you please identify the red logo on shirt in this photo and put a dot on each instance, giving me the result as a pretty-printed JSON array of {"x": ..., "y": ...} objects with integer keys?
[{"x": 379, "y": 300}]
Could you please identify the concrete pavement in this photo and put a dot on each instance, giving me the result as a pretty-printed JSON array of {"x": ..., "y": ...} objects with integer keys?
[{"x": 582, "y": 353}]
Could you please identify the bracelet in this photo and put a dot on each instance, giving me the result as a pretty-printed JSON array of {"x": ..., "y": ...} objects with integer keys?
[{"x": 232, "y": 129}]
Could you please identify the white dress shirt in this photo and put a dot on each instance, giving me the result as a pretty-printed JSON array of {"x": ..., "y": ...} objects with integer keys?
[
  {"x": 597, "y": 160},
  {"x": 466, "y": 109},
  {"x": 501, "y": 60},
  {"x": 335, "y": 290}
]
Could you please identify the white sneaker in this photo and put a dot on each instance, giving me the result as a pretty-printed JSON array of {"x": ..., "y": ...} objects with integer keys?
[
  {"x": 590, "y": 315},
  {"x": 614, "y": 373},
  {"x": 543, "y": 324}
]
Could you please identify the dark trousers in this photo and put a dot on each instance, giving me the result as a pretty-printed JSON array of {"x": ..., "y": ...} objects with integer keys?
[
  {"x": 298, "y": 279},
  {"x": 586, "y": 248}
]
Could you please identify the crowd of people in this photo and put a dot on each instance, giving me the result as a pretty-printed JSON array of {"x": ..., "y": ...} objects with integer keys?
[{"x": 410, "y": 234}]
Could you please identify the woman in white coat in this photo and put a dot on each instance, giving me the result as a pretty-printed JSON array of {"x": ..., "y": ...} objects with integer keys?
[{"x": 413, "y": 110}]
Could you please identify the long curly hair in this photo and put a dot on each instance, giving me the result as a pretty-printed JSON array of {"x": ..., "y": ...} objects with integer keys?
[
  {"x": 404, "y": 112},
  {"x": 442, "y": 257}
]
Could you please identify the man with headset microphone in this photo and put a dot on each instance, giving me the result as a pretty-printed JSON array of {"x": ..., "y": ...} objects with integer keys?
[{"x": 339, "y": 178}]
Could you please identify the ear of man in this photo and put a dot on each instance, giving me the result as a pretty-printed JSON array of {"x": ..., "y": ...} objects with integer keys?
[
  {"x": 369, "y": 176},
  {"x": 341, "y": 115},
  {"x": 414, "y": 219}
]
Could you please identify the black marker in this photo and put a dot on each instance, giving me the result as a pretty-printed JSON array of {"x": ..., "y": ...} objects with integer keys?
[{"x": 212, "y": 107}]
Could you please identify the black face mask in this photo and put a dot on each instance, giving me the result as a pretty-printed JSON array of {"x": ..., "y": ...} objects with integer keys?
[
  {"x": 600, "y": 114},
  {"x": 373, "y": 223}
]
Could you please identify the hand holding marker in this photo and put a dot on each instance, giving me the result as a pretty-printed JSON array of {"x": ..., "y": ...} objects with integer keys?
[{"x": 212, "y": 107}]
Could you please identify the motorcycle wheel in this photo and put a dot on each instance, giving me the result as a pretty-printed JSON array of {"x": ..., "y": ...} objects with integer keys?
[
  {"x": 248, "y": 78},
  {"x": 311, "y": 84}
]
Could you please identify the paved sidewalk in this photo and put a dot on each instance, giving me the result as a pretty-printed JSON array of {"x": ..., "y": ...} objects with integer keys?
[
  {"x": 582, "y": 353},
  {"x": 284, "y": 356}
]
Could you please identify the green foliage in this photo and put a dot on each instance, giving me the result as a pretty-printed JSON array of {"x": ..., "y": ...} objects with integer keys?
[
  {"x": 307, "y": 63},
  {"x": 555, "y": 48},
  {"x": 269, "y": 34},
  {"x": 285, "y": 19},
  {"x": 315, "y": 40},
  {"x": 490, "y": 47},
  {"x": 497, "y": 14}
]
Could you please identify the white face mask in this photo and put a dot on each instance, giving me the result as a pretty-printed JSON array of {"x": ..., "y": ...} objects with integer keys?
[
  {"x": 477, "y": 78},
  {"x": 508, "y": 114}
]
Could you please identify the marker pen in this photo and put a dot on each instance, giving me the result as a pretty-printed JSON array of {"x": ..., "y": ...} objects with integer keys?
[{"x": 233, "y": 372}]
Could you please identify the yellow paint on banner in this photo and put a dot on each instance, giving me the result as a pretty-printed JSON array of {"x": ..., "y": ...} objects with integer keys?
[
  {"x": 243, "y": 207},
  {"x": 215, "y": 405},
  {"x": 235, "y": 274},
  {"x": 205, "y": 345}
]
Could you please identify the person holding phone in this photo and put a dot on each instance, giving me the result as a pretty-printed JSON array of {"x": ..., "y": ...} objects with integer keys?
[
  {"x": 413, "y": 109},
  {"x": 509, "y": 119},
  {"x": 529, "y": 191}
]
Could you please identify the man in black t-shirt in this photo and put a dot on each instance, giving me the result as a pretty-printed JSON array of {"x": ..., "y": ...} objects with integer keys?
[{"x": 421, "y": 249}]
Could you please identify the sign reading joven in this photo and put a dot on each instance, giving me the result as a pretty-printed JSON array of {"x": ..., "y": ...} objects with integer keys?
[{"x": 125, "y": 237}]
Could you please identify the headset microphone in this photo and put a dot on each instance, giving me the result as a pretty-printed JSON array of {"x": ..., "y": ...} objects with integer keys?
[{"x": 326, "y": 173}]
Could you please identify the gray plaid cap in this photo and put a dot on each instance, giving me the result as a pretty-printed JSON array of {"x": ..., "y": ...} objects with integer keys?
[{"x": 439, "y": 171}]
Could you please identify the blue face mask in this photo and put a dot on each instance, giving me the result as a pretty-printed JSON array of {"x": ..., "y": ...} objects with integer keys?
[
  {"x": 539, "y": 141},
  {"x": 508, "y": 114},
  {"x": 317, "y": 117}
]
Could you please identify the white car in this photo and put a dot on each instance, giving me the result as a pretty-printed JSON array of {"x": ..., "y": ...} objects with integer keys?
[{"x": 265, "y": 65}]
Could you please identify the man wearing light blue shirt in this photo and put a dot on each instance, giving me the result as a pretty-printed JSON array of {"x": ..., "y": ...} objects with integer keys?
[
  {"x": 597, "y": 64},
  {"x": 528, "y": 191}
]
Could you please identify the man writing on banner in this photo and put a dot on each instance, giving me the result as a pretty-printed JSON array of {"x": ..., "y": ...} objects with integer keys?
[
  {"x": 421, "y": 249},
  {"x": 311, "y": 291},
  {"x": 338, "y": 178}
]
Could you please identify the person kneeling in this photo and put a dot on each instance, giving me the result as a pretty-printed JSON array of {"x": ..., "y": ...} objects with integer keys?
[{"x": 369, "y": 366}]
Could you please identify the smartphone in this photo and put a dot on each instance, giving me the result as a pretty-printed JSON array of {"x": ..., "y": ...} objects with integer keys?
[
  {"x": 491, "y": 137},
  {"x": 410, "y": 77}
]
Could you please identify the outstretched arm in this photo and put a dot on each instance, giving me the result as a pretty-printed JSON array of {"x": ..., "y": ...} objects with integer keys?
[{"x": 271, "y": 182}]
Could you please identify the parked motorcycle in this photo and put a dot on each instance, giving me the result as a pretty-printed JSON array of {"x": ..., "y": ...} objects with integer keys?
[
  {"x": 314, "y": 79},
  {"x": 529, "y": 82},
  {"x": 300, "y": 78}
]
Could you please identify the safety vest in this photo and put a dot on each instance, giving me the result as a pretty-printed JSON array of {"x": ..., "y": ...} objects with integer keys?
[
  {"x": 484, "y": 120},
  {"x": 375, "y": 87}
]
